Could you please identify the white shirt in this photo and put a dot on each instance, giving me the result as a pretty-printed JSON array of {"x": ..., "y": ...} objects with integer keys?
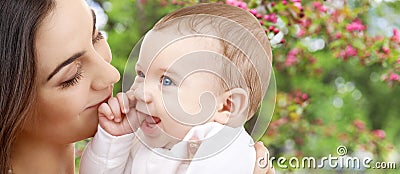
[{"x": 223, "y": 150}]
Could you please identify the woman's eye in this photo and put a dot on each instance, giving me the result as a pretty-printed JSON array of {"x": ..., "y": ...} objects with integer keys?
[
  {"x": 98, "y": 37},
  {"x": 166, "y": 81},
  {"x": 140, "y": 74},
  {"x": 73, "y": 81}
]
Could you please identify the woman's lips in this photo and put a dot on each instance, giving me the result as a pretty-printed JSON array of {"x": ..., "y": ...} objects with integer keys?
[{"x": 98, "y": 104}]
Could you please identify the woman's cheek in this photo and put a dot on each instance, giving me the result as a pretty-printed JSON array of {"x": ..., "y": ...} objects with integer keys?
[{"x": 66, "y": 104}]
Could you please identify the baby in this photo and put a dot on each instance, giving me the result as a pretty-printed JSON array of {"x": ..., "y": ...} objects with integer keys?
[{"x": 202, "y": 73}]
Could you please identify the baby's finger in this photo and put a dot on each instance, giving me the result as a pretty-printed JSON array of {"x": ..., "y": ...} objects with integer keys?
[
  {"x": 115, "y": 108},
  {"x": 133, "y": 119},
  {"x": 123, "y": 102},
  {"x": 105, "y": 111},
  {"x": 132, "y": 99}
]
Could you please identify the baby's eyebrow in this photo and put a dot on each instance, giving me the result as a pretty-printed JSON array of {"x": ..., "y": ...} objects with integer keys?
[
  {"x": 170, "y": 71},
  {"x": 138, "y": 67}
]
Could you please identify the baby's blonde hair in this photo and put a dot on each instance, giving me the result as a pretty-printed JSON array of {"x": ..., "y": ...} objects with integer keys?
[{"x": 248, "y": 47}]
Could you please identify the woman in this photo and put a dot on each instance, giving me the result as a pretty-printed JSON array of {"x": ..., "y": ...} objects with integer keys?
[{"x": 55, "y": 72}]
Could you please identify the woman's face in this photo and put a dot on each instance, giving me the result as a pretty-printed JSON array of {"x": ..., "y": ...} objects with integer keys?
[{"x": 74, "y": 74}]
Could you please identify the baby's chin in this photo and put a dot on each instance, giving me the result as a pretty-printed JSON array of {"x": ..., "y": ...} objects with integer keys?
[
  {"x": 165, "y": 143},
  {"x": 163, "y": 140}
]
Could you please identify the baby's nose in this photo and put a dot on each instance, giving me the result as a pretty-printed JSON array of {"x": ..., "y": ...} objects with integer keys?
[{"x": 143, "y": 95}]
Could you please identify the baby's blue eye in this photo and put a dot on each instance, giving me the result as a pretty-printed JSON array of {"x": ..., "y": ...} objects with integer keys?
[
  {"x": 166, "y": 81},
  {"x": 140, "y": 74}
]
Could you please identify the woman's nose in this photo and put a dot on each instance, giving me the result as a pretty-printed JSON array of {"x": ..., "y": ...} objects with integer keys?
[{"x": 105, "y": 74}]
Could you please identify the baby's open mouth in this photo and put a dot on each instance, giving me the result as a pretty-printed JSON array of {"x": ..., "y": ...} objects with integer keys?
[
  {"x": 152, "y": 119},
  {"x": 149, "y": 124}
]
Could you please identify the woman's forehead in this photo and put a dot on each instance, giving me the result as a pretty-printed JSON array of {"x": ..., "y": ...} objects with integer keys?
[{"x": 65, "y": 31}]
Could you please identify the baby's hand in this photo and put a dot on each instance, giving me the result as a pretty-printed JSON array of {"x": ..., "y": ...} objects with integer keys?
[{"x": 118, "y": 116}]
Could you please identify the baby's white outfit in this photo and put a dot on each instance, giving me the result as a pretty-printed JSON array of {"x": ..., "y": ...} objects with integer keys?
[{"x": 224, "y": 150}]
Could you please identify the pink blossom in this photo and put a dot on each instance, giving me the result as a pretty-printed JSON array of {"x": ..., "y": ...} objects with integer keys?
[
  {"x": 237, "y": 3},
  {"x": 320, "y": 7},
  {"x": 290, "y": 60},
  {"x": 335, "y": 15},
  {"x": 356, "y": 25},
  {"x": 318, "y": 121},
  {"x": 242, "y": 5},
  {"x": 304, "y": 96},
  {"x": 276, "y": 30},
  {"x": 385, "y": 50},
  {"x": 323, "y": 9},
  {"x": 379, "y": 133},
  {"x": 378, "y": 38},
  {"x": 253, "y": 11},
  {"x": 298, "y": 5},
  {"x": 230, "y": 2},
  {"x": 291, "y": 57},
  {"x": 350, "y": 51},
  {"x": 294, "y": 51},
  {"x": 266, "y": 17},
  {"x": 396, "y": 35},
  {"x": 338, "y": 35},
  {"x": 271, "y": 18},
  {"x": 317, "y": 4},
  {"x": 281, "y": 121},
  {"x": 360, "y": 125},
  {"x": 300, "y": 33},
  {"x": 394, "y": 77},
  {"x": 398, "y": 60},
  {"x": 312, "y": 60},
  {"x": 305, "y": 23},
  {"x": 271, "y": 28}
]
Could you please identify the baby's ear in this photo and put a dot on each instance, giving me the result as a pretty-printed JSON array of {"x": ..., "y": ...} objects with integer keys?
[{"x": 232, "y": 107}]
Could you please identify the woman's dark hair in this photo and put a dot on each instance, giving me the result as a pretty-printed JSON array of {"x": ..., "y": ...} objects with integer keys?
[{"x": 19, "y": 21}]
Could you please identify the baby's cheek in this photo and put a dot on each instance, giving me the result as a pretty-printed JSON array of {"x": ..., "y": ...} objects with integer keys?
[
  {"x": 178, "y": 130},
  {"x": 135, "y": 83},
  {"x": 190, "y": 103}
]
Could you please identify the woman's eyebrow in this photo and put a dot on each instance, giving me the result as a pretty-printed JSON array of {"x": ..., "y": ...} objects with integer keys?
[
  {"x": 94, "y": 21},
  {"x": 65, "y": 63}
]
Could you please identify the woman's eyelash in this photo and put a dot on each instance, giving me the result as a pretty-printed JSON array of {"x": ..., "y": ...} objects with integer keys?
[
  {"x": 71, "y": 82},
  {"x": 98, "y": 37}
]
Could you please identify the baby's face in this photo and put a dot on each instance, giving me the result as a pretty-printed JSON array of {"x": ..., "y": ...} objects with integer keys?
[{"x": 176, "y": 87}]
